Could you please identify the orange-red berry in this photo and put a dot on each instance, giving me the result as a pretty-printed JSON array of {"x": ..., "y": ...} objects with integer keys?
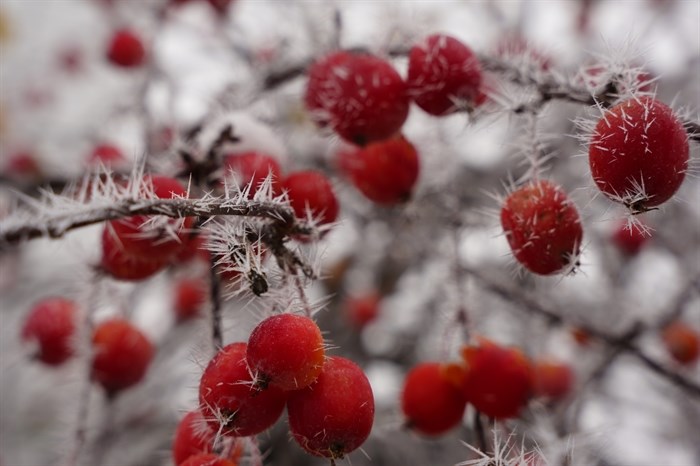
[{"x": 51, "y": 324}]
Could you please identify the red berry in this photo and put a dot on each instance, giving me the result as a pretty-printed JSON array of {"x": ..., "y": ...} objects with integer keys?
[
  {"x": 385, "y": 171},
  {"x": 431, "y": 403},
  {"x": 207, "y": 459},
  {"x": 126, "y": 49},
  {"x": 361, "y": 310},
  {"x": 638, "y": 153},
  {"x": 311, "y": 191},
  {"x": 106, "y": 154},
  {"x": 286, "y": 351},
  {"x": 333, "y": 416},
  {"x": 51, "y": 325},
  {"x": 193, "y": 437},
  {"x": 190, "y": 295},
  {"x": 682, "y": 342},
  {"x": 553, "y": 380},
  {"x": 23, "y": 166},
  {"x": 229, "y": 399},
  {"x": 116, "y": 263},
  {"x": 251, "y": 168},
  {"x": 122, "y": 354},
  {"x": 542, "y": 227},
  {"x": 443, "y": 75},
  {"x": 498, "y": 381},
  {"x": 631, "y": 237},
  {"x": 361, "y": 97},
  {"x": 148, "y": 243}
]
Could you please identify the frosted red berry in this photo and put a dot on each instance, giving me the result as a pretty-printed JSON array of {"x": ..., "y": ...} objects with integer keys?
[
  {"x": 498, "y": 380},
  {"x": 146, "y": 242},
  {"x": 126, "y": 49},
  {"x": 682, "y": 342},
  {"x": 360, "y": 96},
  {"x": 385, "y": 171},
  {"x": 542, "y": 227},
  {"x": 431, "y": 402},
  {"x": 630, "y": 238},
  {"x": 444, "y": 75},
  {"x": 121, "y": 355},
  {"x": 116, "y": 263},
  {"x": 229, "y": 399},
  {"x": 311, "y": 191},
  {"x": 552, "y": 379},
  {"x": 190, "y": 296},
  {"x": 638, "y": 153},
  {"x": 251, "y": 168},
  {"x": 334, "y": 415},
  {"x": 51, "y": 326},
  {"x": 286, "y": 351},
  {"x": 207, "y": 459},
  {"x": 193, "y": 437}
]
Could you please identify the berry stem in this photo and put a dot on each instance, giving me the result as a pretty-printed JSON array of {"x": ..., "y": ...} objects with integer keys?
[
  {"x": 480, "y": 433},
  {"x": 215, "y": 296}
]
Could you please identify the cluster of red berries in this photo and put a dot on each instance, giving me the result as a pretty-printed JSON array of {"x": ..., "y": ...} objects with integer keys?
[
  {"x": 364, "y": 100},
  {"x": 246, "y": 386},
  {"x": 496, "y": 380},
  {"x": 121, "y": 352}
]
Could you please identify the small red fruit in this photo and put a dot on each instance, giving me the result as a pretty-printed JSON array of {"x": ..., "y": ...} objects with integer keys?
[
  {"x": 361, "y": 310},
  {"x": 580, "y": 336},
  {"x": 153, "y": 244},
  {"x": 542, "y": 227},
  {"x": 333, "y": 416},
  {"x": 431, "y": 403},
  {"x": 286, "y": 351},
  {"x": 51, "y": 325},
  {"x": 498, "y": 381},
  {"x": 190, "y": 295},
  {"x": 207, "y": 459},
  {"x": 443, "y": 75},
  {"x": 360, "y": 96},
  {"x": 122, "y": 354},
  {"x": 630, "y": 238},
  {"x": 229, "y": 399},
  {"x": 553, "y": 380},
  {"x": 251, "y": 168},
  {"x": 311, "y": 191},
  {"x": 126, "y": 49},
  {"x": 194, "y": 247},
  {"x": 682, "y": 342},
  {"x": 385, "y": 171},
  {"x": 116, "y": 263},
  {"x": 638, "y": 153},
  {"x": 194, "y": 437}
]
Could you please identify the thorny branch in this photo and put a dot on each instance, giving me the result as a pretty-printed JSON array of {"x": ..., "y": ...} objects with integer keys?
[
  {"x": 624, "y": 342},
  {"x": 57, "y": 225}
]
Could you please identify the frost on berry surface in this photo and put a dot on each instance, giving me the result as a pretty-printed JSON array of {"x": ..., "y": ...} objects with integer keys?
[
  {"x": 286, "y": 351},
  {"x": 359, "y": 96},
  {"x": 444, "y": 75},
  {"x": 638, "y": 153},
  {"x": 229, "y": 399},
  {"x": 543, "y": 227},
  {"x": 333, "y": 416}
]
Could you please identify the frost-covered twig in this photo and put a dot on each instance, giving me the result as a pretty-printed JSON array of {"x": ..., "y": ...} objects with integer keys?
[{"x": 41, "y": 220}]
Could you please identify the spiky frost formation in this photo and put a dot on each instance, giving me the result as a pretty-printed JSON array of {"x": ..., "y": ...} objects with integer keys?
[{"x": 638, "y": 153}]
